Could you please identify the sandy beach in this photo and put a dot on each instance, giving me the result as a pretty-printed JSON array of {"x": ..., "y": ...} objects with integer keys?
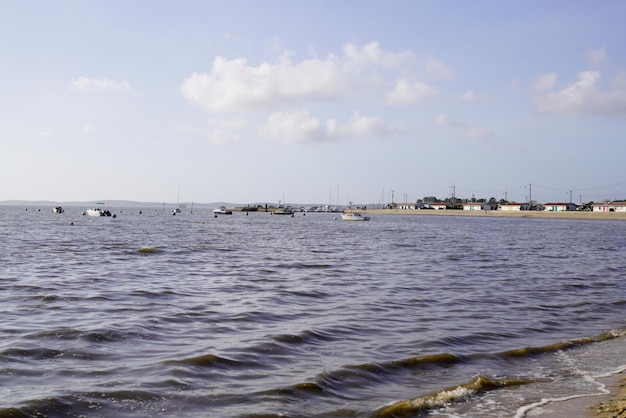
[
  {"x": 609, "y": 405},
  {"x": 501, "y": 214},
  {"x": 615, "y": 405}
]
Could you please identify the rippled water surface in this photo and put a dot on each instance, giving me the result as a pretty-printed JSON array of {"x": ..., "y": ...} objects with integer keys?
[{"x": 150, "y": 314}]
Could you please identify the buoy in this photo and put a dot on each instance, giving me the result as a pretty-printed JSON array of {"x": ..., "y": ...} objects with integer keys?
[
  {"x": 215, "y": 216},
  {"x": 71, "y": 223}
]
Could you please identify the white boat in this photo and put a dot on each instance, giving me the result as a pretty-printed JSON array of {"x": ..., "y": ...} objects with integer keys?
[
  {"x": 354, "y": 216},
  {"x": 97, "y": 211},
  {"x": 222, "y": 210},
  {"x": 57, "y": 209},
  {"x": 283, "y": 211}
]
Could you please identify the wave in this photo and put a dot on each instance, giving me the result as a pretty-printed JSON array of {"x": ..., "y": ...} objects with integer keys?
[
  {"x": 563, "y": 345},
  {"x": 87, "y": 404},
  {"x": 149, "y": 250},
  {"x": 412, "y": 407},
  {"x": 214, "y": 361}
]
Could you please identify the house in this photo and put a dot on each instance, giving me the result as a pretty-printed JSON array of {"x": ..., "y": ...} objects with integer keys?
[
  {"x": 512, "y": 206},
  {"x": 439, "y": 206},
  {"x": 476, "y": 206},
  {"x": 407, "y": 206},
  {"x": 560, "y": 207},
  {"x": 617, "y": 206}
]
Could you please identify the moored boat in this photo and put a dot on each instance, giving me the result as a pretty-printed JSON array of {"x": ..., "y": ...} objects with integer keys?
[
  {"x": 354, "y": 216},
  {"x": 283, "y": 211},
  {"x": 57, "y": 209},
  {"x": 222, "y": 210},
  {"x": 97, "y": 211}
]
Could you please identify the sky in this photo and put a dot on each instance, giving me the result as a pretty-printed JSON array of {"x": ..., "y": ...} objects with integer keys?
[{"x": 316, "y": 102}]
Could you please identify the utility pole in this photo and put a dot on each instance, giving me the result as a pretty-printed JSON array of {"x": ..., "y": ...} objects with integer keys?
[
  {"x": 392, "y": 191},
  {"x": 530, "y": 195},
  {"x": 570, "y": 196}
]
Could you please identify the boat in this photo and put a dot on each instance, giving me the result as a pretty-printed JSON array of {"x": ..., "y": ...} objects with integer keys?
[
  {"x": 97, "y": 211},
  {"x": 283, "y": 211},
  {"x": 354, "y": 216},
  {"x": 57, "y": 209},
  {"x": 222, "y": 210}
]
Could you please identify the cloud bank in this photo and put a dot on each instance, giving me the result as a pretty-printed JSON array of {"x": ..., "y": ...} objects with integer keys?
[{"x": 284, "y": 88}]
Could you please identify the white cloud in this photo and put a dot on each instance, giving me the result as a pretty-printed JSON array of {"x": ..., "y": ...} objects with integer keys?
[
  {"x": 472, "y": 133},
  {"x": 405, "y": 93},
  {"x": 479, "y": 133},
  {"x": 296, "y": 126},
  {"x": 228, "y": 123},
  {"x": 43, "y": 133},
  {"x": 438, "y": 69},
  {"x": 583, "y": 97},
  {"x": 299, "y": 126},
  {"x": 361, "y": 126},
  {"x": 545, "y": 82},
  {"x": 470, "y": 96},
  {"x": 597, "y": 57},
  {"x": 444, "y": 120},
  {"x": 86, "y": 84},
  {"x": 372, "y": 54},
  {"x": 86, "y": 129},
  {"x": 220, "y": 136},
  {"x": 235, "y": 85}
]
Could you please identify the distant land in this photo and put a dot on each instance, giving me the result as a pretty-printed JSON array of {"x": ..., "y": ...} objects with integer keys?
[
  {"x": 135, "y": 204},
  {"x": 114, "y": 203}
]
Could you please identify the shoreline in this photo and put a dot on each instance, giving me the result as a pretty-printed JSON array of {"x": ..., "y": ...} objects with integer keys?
[
  {"x": 611, "y": 404},
  {"x": 614, "y": 404},
  {"x": 498, "y": 214}
]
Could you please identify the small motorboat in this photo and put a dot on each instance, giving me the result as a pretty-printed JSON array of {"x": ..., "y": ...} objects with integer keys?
[
  {"x": 283, "y": 211},
  {"x": 97, "y": 211},
  {"x": 57, "y": 209},
  {"x": 222, "y": 210},
  {"x": 354, "y": 216}
]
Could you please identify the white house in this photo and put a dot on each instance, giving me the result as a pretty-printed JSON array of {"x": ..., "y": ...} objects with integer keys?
[
  {"x": 560, "y": 207},
  {"x": 511, "y": 206},
  {"x": 438, "y": 206},
  {"x": 476, "y": 206},
  {"x": 610, "y": 206}
]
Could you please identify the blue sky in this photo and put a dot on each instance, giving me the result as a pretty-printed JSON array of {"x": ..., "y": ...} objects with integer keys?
[{"x": 312, "y": 101}]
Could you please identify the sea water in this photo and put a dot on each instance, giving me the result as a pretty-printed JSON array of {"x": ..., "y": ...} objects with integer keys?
[{"x": 258, "y": 315}]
